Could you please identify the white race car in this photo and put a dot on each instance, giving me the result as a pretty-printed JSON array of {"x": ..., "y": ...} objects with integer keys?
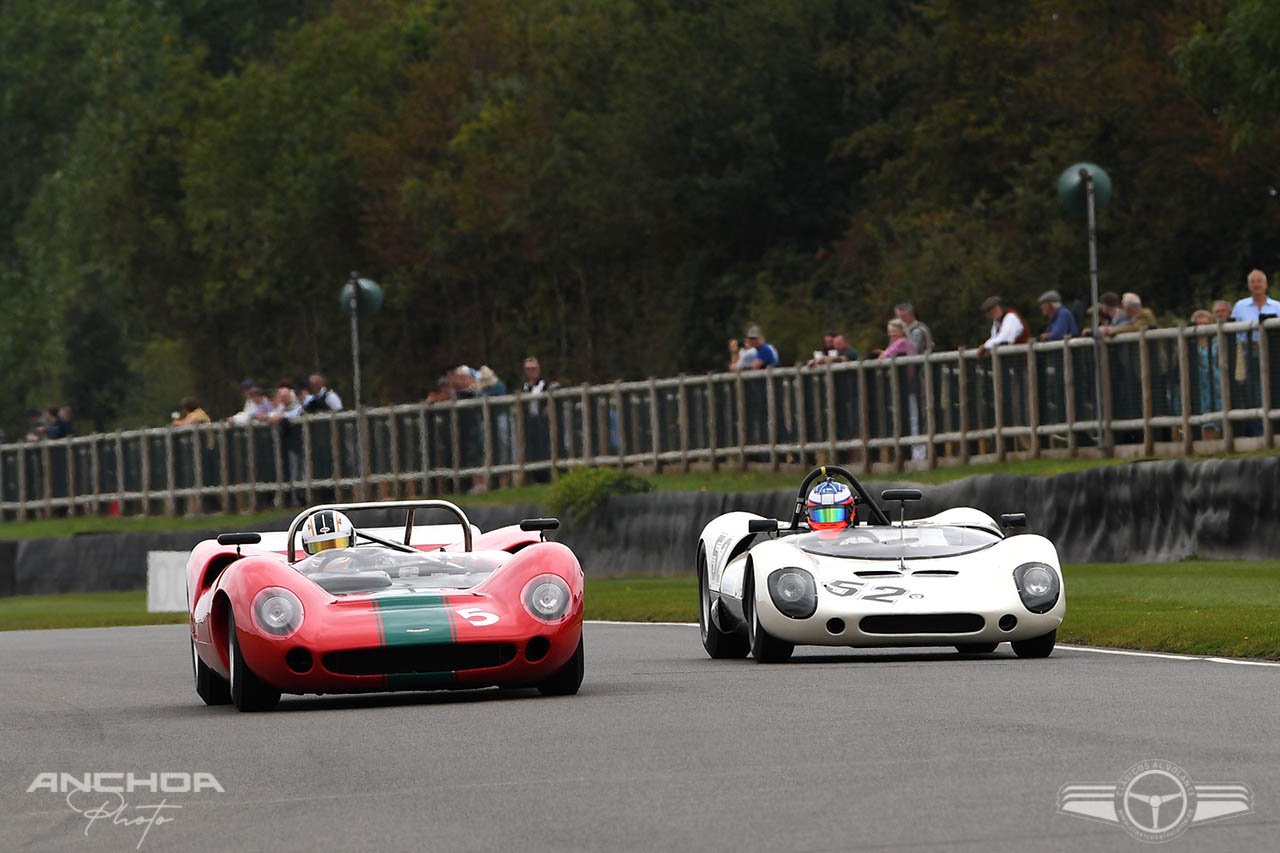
[{"x": 956, "y": 578}]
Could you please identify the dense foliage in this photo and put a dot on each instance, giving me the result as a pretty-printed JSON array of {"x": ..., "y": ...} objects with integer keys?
[
  {"x": 616, "y": 186},
  {"x": 577, "y": 495}
]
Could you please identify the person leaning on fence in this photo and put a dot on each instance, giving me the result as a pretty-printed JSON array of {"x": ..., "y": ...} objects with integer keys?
[
  {"x": 322, "y": 398},
  {"x": 1062, "y": 323},
  {"x": 1134, "y": 318},
  {"x": 256, "y": 407},
  {"x": 765, "y": 354},
  {"x": 1207, "y": 372},
  {"x": 900, "y": 344},
  {"x": 537, "y": 427},
  {"x": 921, "y": 337},
  {"x": 190, "y": 413},
  {"x": 1006, "y": 325},
  {"x": 1254, "y": 308},
  {"x": 286, "y": 410}
]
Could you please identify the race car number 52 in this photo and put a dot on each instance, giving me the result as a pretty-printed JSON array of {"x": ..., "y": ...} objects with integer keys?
[{"x": 886, "y": 594}]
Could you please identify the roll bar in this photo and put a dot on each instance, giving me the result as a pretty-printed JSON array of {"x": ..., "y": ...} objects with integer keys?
[{"x": 411, "y": 508}]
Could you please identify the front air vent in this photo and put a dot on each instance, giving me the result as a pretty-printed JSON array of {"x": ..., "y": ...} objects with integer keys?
[
  {"x": 934, "y": 573},
  {"x": 879, "y": 573},
  {"x": 393, "y": 660},
  {"x": 923, "y": 623}
]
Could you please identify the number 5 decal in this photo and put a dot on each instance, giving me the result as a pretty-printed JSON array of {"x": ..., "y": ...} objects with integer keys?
[
  {"x": 887, "y": 596},
  {"x": 476, "y": 616}
]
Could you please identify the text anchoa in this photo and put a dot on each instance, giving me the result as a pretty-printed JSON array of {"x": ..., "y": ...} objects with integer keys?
[{"x": 127, "y": 782}]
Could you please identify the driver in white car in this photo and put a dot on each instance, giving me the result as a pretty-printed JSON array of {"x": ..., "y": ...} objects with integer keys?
[{"x": 831, "y": 509}]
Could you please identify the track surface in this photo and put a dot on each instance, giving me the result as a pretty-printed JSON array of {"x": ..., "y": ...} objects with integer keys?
[{"x": 663, "y": 749}]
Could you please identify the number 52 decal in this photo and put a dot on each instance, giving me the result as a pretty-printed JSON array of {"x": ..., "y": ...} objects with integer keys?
[{"x": 885, "y": 594}]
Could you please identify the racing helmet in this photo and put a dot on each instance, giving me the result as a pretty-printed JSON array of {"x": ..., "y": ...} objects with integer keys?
[
  {"x": 325, "y": 530},
  {"x": 830, "y": 506}
]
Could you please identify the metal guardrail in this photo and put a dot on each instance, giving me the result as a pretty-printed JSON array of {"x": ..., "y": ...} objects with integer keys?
[{"x": 1183, "y": 390}]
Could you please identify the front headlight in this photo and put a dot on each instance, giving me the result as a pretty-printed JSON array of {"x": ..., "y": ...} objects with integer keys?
[
  {"x": 546, "y": 597},
  {"x": 1037, "y": 586},
  {"x": 793, "y": 592},
  {"x": 277, "y": 611}
]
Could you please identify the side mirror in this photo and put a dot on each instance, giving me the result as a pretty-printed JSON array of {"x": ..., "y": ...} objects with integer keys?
[
  {"x": 901, "y": 495},
  {"x": 762, "y": 525},
  {"x": 239, "y": 538},
  {"x": 1013, "y": 519},
  {"x": 540, "y": 524}
]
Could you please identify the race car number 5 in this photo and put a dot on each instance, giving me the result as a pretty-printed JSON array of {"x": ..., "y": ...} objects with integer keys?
[{"x": 476, "y": 616}]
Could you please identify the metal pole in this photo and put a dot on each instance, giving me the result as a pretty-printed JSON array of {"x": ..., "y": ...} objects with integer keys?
[
  {"x": 1087, "y": 177},
  {"x": 355, "y": 363}
]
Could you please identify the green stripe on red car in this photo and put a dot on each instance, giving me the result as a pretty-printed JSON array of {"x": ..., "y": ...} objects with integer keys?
[{"x": 415, "y": 620}]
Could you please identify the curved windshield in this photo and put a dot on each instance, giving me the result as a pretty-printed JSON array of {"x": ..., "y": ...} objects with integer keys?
[
  {"x": 893, "y": 543},
  {"x": 424, "y": 569}
]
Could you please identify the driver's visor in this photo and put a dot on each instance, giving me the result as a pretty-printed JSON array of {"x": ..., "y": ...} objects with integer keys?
[
  {"x": 829, "y": 514},
  {"x": 327, "y": 544}
]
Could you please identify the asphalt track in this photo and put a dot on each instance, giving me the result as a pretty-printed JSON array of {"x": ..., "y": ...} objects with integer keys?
[{"x": 663, "y": 749}]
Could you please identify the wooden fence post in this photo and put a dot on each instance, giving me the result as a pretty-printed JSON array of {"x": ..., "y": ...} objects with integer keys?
[
  {"x": 1144, "y": 370},
  {"x": 997, "y": 399},
  {"x": 1224, "y": 371},
  {"x": 1033, "y": 400},
  {"x": 1184, "y": 389},
  {"x": 1069, "y": 396},
  {"x": 962, "y": 391}
]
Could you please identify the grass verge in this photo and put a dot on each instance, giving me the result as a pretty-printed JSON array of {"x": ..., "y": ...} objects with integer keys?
[{"x": 1193, "y": 607}]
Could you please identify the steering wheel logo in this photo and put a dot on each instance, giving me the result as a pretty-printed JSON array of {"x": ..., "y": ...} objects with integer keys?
[{"x": 1155, "y": 800}]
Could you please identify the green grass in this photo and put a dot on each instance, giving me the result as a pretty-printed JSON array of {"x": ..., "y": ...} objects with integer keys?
[
  {"x": 1193, "y": 607},
  {"x": 81, "y": 610}
]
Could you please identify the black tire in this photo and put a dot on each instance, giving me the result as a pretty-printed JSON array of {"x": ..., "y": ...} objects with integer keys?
[
  {"x": 765, "y": 647},
  {"x": 210, "y": 686},
  {"x": 1036, "y": 647},
  {"x": 248, "y": 691},
  {"x": 976, "y": 648},
  {"x": 567, "y": 679},
  {"x": 719, "y": 645}
]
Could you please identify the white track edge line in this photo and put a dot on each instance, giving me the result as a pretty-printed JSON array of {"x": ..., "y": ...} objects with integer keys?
[{"x": 1075, "y": 648}]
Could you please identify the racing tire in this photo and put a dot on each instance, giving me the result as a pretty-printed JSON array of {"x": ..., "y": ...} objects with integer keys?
[
  {"x": 765, "y": 647},
  {"x": 1036, "y": 647},
  {"x": 976, "y": 648},
  {"x": 719, "y": 644},
  {"x": 248, "y": 691},
  {"x": 566, "y": 680},
  {"x": 210, "y": 686}
]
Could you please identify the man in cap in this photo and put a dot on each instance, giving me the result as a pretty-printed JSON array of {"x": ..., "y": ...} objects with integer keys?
[
  {"x": 1006, "y": 326},
  {"x": 1062, "y": 323},
  {"x": 766, "y": 355}
]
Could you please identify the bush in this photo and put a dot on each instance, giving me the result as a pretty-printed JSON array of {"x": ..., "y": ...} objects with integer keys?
[{"x": 575, "y": 496}]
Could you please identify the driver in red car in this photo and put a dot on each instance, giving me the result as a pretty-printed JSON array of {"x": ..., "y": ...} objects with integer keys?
[
  {"x": 330, "y": 530},
  {"x": 831, "y": 509}
]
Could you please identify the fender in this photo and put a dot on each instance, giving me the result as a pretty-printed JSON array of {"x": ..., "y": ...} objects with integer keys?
[{"x": 723, "y": 539}]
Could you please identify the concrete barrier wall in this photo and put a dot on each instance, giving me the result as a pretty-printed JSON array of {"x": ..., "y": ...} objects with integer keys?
[{"x": 1138, "y": 512}]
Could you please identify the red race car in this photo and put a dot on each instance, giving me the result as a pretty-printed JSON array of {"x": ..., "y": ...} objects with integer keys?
[{"x": 329, "y": 608}]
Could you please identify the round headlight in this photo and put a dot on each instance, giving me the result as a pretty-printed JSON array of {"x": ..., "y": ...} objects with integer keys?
[
  {"x": 794, "y": 592},
  {"x": 546, "y": 597},
  {"x": 1038, "y": 586},
  {"x": 277, "y": 611}
]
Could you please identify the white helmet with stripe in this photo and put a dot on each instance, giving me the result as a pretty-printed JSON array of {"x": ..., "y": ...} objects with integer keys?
[{"x": 327, "y": 529}]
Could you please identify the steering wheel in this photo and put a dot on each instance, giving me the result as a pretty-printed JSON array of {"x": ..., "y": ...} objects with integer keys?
[{"x": 877, "y": 514}]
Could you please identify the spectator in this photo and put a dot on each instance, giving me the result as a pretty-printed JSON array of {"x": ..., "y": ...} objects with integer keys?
[
  {"x": 36, "y": 426},
  {"x": 190, "y": 413},
  {"x": 839, "y": 351},
  {"x": 1134, "y": 318},
  {"x": 921, "y": 337},
  {"x": 1208, "y": 374},
  {"x": 464, "y": 382},
  {"x": 256, "y": 408},
  {"x": 1006, "y": 325},
  {"x": 1255, "y": 307},
  {"x": 1106, "y": 313},
  {"x": 56, "y": 425},
  {"x": 284, "y": 414},
  {"x": 285, "y": 406},
  {"x": 1062, "y": 323},
  {"x": 900, "y": 344},
  {"x": 1222, "y": 311},
  {"x": 537, "y": 428},
  {"x": 828, "y": 351},
  {"x": 247, "y": 411},
  {"x": 765, "y": 355},
  {"x": 323, "y": 398}
]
